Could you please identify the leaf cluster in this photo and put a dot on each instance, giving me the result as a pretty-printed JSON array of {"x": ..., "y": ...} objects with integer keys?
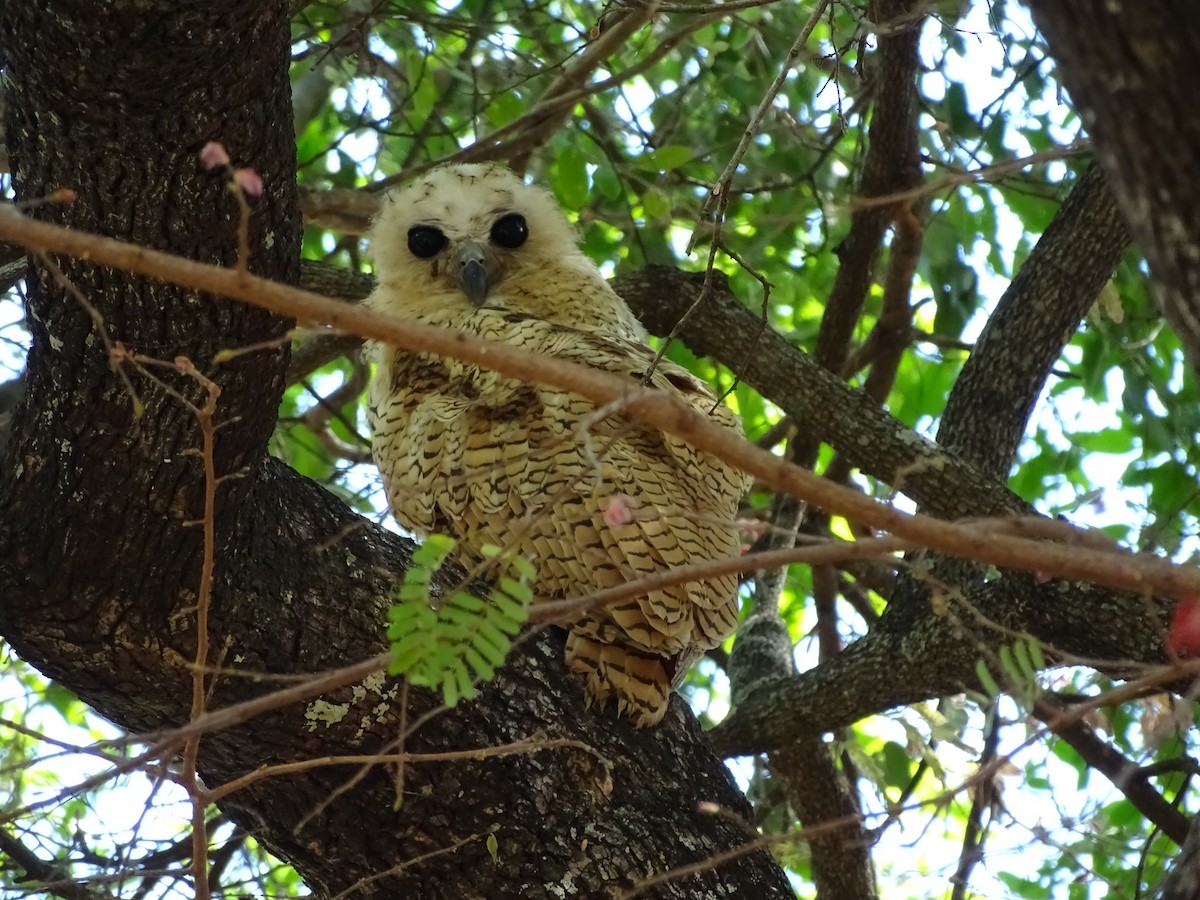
[{"x": 446, "y": 643}]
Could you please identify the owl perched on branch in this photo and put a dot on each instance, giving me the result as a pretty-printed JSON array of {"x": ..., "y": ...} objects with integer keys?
[{"x": 593, "y": 501}]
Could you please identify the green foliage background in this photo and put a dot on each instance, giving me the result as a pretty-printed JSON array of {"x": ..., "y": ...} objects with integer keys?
[{"x": 400, "y": 86}]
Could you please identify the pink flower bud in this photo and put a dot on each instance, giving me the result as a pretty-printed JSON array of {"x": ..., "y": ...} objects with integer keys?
[
  {"x": 249, "y": 181},
  {"x": 213, "y": 155},
  {"x": 619, "y": 510}
]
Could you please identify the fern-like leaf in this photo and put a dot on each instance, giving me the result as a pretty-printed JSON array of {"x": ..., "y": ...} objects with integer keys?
[{"x": 466, "y": 637}]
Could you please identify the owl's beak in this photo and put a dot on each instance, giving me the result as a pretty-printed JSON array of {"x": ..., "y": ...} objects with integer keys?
[{"x": 472, "y": 273}]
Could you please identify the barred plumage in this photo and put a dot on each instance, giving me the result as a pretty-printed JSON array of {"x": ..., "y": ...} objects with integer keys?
[{"x": 592, "y": 502}]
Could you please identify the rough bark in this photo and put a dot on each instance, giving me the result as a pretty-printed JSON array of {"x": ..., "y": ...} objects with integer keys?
[
  {"x": 99, "y": 565},
  {"x": 988, "y": 411},
  {"x": 1131, "y": 70}
]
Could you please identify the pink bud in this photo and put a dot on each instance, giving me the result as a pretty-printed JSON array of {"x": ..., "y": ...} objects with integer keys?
[
  {"x": 1184, "y": 635},
  {"x": 249, "y": 181},
  {"x": 213, "y": 155},
  {"x": 619, "y": 510}
]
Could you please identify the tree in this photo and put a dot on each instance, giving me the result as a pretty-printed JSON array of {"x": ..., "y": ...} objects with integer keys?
[{"x": 226, "y": 606}]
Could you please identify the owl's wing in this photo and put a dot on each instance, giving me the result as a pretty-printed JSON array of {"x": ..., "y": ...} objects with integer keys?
[{"x": 676, "y": 507}]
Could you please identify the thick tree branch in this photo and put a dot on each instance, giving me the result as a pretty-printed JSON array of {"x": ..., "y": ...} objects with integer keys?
[
  {"x": 99, "y": 566},
  {"x": 891, "y": 166},
  {"x": 1130, "y": 69},
  {"x": 988, "y": 410}
]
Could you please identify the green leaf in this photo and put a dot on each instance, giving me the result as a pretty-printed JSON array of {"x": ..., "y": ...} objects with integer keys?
[
  {"x": 466, "y": 602},
  {"x": 665, "y": 159},
  {"x": 493, "y": 848},
  {"x": 986, "y": 681},
  {"x": 1111, "y": 440},
  {"x": 571, "y": 184},
  {"x": 480, "y": 666},
  {"x": 441, "y": 647},
  {"x": 656, "y": 204},
  {"x": 1035, "y": 655},
  {"x": 1009, "y": 664},
  {"x": 517, "y": 591},
  {"x": 524, "y": 568},
  {"x": 514, "y": 614},
  {"x": 1023, "y": 661},
  {"x": 897, "y": 765},
  {"x": 414, "y": 588}
]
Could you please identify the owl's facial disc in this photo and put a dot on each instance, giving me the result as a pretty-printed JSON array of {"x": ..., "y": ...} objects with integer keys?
[{"x": 471, "y": 272}]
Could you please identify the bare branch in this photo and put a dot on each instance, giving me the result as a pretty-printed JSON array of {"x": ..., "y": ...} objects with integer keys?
[{"x": 1125, "y": 572}]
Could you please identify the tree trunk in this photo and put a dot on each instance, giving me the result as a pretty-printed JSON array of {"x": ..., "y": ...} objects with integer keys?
[
  {"x": 101, "y": 567},
  {"x": 1132, "y": 70}
]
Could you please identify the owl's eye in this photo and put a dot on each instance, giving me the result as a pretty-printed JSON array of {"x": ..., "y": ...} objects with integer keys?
[
  {"x": 510, "y": 231},
  {"x": 425, "y": 241}
]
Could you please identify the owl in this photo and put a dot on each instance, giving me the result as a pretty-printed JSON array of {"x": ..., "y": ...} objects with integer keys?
[{"x": 593, "y": 500}]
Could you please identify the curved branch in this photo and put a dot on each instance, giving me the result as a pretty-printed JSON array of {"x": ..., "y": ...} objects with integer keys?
[
  {"x": 1130, "y": 779},
  {"x": 891, "y": 166},
  {"x": 988, "y": 410}
]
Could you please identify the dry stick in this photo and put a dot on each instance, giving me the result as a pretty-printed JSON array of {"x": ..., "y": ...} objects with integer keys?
[
  {"x": 651, "y": 407},
  {"x": 976, "y": 831},
  {"x": 204, "y": 416},
  {"x": 51, "y": 878},
  {"x": 627, "y": 21},
  {"x": 531, "y": 745},
  {"x": 168, "y": 740},
  {"x": 825, "y": 553},
  {"x": 490, "y": 147},
  {"x": 718, "y": 198},
  {"x": 116, "y": 357},
  {"x": 981, "y": 175},
  {"x": 710, "y": 8},
  {"x": 118, "y": 769},
  {"x": 66, "y": 748},
  {"x": 416, "y": 860}
]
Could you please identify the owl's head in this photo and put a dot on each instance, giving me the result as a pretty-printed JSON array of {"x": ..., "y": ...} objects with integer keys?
[{"x": 472, "y": 229}]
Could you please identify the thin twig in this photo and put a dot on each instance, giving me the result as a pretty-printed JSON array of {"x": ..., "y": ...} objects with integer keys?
[{"x": 718, "y": 198}]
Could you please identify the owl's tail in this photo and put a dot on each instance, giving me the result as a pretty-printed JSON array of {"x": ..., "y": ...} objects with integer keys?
[{"x": 639, "y": 681}]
